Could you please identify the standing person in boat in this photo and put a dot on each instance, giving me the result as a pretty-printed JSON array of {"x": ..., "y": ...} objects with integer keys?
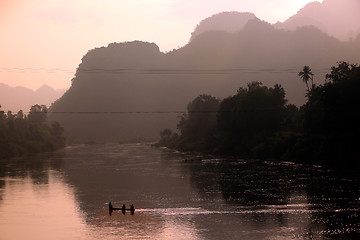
[
  {"x": 123, "y": 208},
  {"x": 132, "y": 209},
  {"x": 110, "y": 208}
]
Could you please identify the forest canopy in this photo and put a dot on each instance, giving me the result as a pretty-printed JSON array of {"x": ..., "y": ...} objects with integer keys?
[
  {"x": 21, "y": 134},
  {"x": 257, "y": 122}
]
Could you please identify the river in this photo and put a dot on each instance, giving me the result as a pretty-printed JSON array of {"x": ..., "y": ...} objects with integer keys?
[{"x": 65, "y": 195}]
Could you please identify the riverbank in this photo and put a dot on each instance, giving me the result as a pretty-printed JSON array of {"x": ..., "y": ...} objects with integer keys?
[
  {"x": 257, "y": 122},
  {"x": 21, "y": 135}
]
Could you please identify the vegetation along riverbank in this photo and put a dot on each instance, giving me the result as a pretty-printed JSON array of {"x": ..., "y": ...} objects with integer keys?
[
  {"x": 22, "y": 134},
  {"x": 257, "y": 122}
]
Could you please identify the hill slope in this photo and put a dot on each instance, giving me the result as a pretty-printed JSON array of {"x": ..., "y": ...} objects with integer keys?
[
  {"x": 225, "y": 21},
  {"x": 338, "y": 18},
  {"x": 132, "y": 90}
]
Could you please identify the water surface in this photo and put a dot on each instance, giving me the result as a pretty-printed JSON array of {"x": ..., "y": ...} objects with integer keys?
[{"x": 177, "y": 196}]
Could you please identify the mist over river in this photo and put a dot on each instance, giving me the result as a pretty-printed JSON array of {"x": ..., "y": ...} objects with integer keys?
[{"x": 65, "y": 195}]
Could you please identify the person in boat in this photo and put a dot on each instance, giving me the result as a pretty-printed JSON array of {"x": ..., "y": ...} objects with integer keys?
[
  {"x": 132, "y": 209},
  {"x": 123, "y": 208},
  {"x": 110, "y": 208}
]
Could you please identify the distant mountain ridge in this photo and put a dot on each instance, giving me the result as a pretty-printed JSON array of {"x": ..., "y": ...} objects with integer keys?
[
  {"x": 21, "y": 98},
  {"x": 338, "y": 18},
  {"x": 225, "y": 21},
  {"x": 132, "y": 90}
]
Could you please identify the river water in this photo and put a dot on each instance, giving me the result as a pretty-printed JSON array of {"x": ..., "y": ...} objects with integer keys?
[{"x": 65, "y": 195}]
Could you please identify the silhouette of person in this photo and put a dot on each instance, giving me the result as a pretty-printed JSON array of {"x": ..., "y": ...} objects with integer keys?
[
  {"x": 132, "y": 209},
  {"x": 110, "y": 208},
  {"x": 123, "y": 208}
]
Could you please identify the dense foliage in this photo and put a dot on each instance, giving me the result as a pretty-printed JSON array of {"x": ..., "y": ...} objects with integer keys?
[
  {"x": 250, "y": 116},
  {"x": 257, "y": 122},
  {"x": 20, "y": 134},
  {"x": 331, "y": 117}
]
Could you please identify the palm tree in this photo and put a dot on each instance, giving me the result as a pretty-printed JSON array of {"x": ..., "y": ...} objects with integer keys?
[{"x": 305, "y": 75}]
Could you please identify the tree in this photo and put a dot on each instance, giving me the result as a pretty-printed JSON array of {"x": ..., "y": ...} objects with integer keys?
[
  {"x": 292, "y": 119},
  {"x": 251, "y": 115},
  {"x": 200, "y": 117},
  {"x": 343, "y": 72},
  {"x": 56, "y": 132},
  {"x": 168, "y": 138},
  {"x": 10, "y": 115},
  {"x": 331, "y": 107},
  {"x": 332, "y": 113},
  {"x": 198, "y": 127},
  {"x": 307, "y": 75},
  {"x": 38, "y": 113},
  {"x": 253, "y": 110},
  {"x": 20, "y": 114},
  {"x": 2, "y": 114},
  {"x": 20, "y": 136}
]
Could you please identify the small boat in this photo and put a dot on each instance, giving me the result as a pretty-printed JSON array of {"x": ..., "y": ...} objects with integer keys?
[{"x": 123, "y": 209}]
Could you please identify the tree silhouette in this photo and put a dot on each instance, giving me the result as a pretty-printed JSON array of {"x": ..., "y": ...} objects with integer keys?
[
  {"x": 307, "y": 75},
  {"x": 38, "y": 113},
  {"x": 21, "y": 135},
  {"x": 198, "y": 126}
]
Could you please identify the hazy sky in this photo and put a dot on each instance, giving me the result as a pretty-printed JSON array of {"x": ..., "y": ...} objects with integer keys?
[{"x": 43, "y": 41}]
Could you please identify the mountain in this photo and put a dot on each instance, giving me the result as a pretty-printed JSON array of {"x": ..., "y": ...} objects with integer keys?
[
  {"x": 337, "y": 18},
  {"x": 131, "y": 90},
  {"x": 225, "y": 21},
  {"x": 21, "y": 98}
]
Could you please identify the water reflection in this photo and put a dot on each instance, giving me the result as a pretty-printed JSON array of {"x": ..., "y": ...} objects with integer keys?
[
  {"x": 33, "y": 210},
  {"x": 34, "y": 167},
  {"x": 285, "y": 200},
  {"x": 177, "y": 196}
]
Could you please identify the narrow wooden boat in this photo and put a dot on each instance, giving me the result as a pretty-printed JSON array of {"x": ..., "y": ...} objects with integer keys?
[{"x": 122, "y": 209}]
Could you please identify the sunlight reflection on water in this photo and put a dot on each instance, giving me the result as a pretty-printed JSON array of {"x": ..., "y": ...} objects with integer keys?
[
  {"x": 144, "y": 224},
  {"x": 39, "y": 211},
  {"x": 66, "y": 197}
]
